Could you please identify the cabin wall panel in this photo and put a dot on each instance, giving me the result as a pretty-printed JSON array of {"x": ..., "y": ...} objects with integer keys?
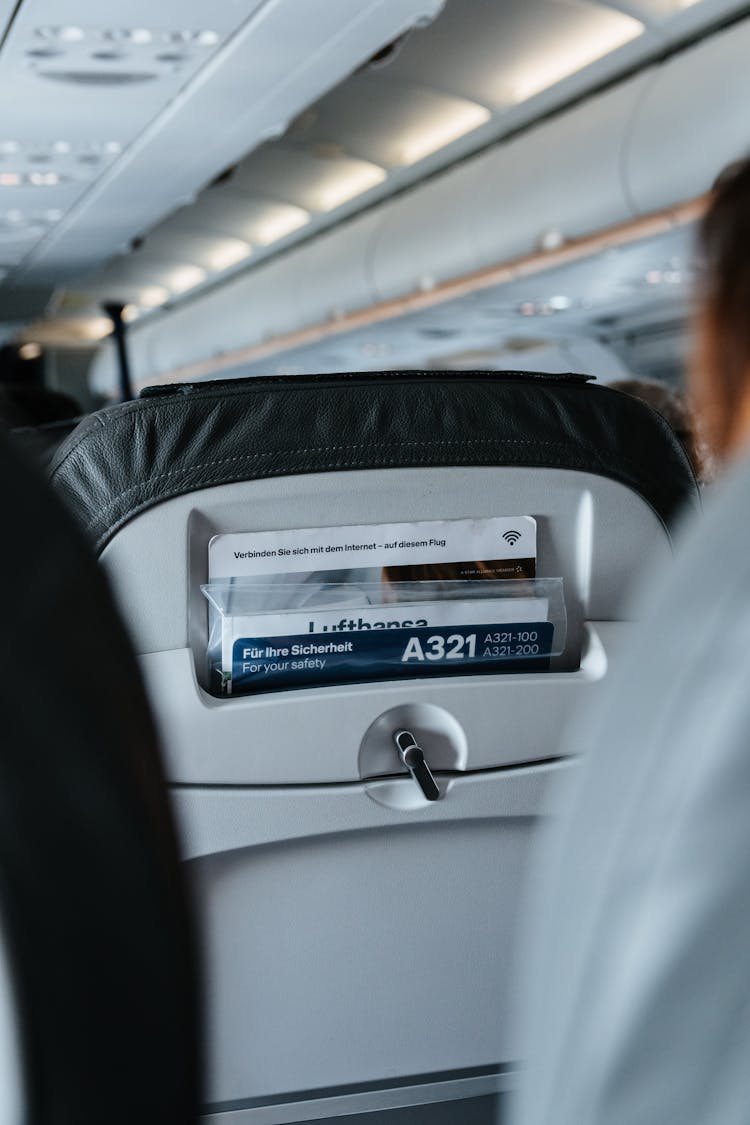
[{"x": 691, "y": 122}]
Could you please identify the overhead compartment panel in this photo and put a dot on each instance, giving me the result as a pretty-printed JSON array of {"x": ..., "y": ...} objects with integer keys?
[
  {"x": 691, "y": 122},
  {"x": 563, "y": 176},
  {"x": 425, "y": 235},
  {"x": 279, "y": 61}
]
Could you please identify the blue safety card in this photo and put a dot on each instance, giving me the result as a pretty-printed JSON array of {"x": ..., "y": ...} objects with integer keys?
[{"x": 307, "y": 659}]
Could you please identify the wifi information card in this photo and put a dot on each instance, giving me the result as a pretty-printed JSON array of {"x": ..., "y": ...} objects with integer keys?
[{"x": 336, "y": 604}]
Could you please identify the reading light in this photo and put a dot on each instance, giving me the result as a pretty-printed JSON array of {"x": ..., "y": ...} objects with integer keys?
[
  {"x": 30, "y": 351},
  {"x": 185, "y": 277},
  {"x": 229, "y": 252},
  {"x": 130, "y": 313},
  {"x": 278, "y": 220},
  {"x": 62, "y": 34},
  {"x": 205, "y": 38},
  {"x": 9, "y": 179},
  {"x": 43, "y": 179},
  {"x": 446, "y": 126},
  {"x": 350, "y": 178},
  {"x": 608, "y": 31}
]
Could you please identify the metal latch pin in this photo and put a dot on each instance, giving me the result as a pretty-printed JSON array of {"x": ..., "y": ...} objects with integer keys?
[{"x": 413, "y": 758}]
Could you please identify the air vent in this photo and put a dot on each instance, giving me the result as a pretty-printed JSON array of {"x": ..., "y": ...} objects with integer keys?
[
  {"x": 98, "y": 77},
  {"x": 438, "y": 333}
]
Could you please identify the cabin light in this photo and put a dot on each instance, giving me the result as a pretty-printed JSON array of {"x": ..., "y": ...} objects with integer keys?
[
  {"x": 153, "y": 296},
  {"x": 229, "y": 252},
  {"x": 43, "y": 179},
  {"x": 62, "y": 147},
  {"x": 30, "y": 350},
  {"x": 350, "y": 179},
  {"x": 137, "y": 36},
  {"x": 9, "y": 179},
  {"x": 528, "y": 308},
  {"x": 112, "y": 148},
  {"x": 551, "y": 239},
  {"x": 96, "y": 328},
  {"x": 561, "y": 60},
  {"x": 62, "y": 34},
  {"x": 559, "y": 303},
  {"x": 130, "y": 313},
  {"x": 203, "y": 37},
  {"x": 277, "y": 222},
  {"x": 185, "y": 277},
  {"x": 654, "y": 277},
  {"x": 460, "y": 118}
]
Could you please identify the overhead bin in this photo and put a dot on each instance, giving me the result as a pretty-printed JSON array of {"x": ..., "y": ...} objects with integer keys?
[
  {"x": 425, "y": 236},
  {"x": 331, "y": 272},
  {"x": 621, "y": 154},
  {"x": 563, "y": 175},
  {"x": 690, "y": 122},
  {"x": 261, "y": 304}
]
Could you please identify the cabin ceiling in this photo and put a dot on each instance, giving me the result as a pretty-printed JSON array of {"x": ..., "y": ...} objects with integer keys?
[{"x": 124, "y": 179}]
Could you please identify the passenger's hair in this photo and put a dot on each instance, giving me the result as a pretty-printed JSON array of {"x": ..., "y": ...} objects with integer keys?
[
  {"x": 724, "y": 291},
  {"x": 674, "y": 407}
]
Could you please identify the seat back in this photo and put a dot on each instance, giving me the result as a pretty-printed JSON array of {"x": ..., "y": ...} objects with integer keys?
[
  {"x": 358, "y": 938},
  {"x": 98, "y": 1008}
]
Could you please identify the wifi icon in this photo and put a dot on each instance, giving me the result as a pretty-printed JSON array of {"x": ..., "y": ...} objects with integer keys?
[{"x": 511, "y": 537}]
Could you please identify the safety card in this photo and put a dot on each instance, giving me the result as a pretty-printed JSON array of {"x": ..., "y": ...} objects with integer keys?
[{"x": 367, "y": 602}]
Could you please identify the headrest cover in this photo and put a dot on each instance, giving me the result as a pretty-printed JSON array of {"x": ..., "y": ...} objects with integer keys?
[
  {"x": 92, "y": 904},
  {"x": 178, "y": 439}
]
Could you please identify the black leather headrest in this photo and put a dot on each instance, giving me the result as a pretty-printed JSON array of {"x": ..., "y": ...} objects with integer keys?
[
  {"x": 92, "y": 904},
  {"x": 175, "y": 440}
]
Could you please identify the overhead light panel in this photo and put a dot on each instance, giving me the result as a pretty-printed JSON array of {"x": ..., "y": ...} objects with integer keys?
[
  {"x": 229, "y": 252},
  {"x": 348, "y": 179},
  {"x": 184, "y": 278},
  {"x": 442, "y": 128},
  {"x": 44, "y": 179},
  {"x": 153, "y": 296},
  {"x": 61, "y": 34},
  {"x": 606, "y": 31},
  {"x": 277, "y": 221},
  {"x": 96, "y": 327}
]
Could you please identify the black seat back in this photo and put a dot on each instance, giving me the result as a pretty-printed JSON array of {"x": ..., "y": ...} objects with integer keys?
[{"x": 94, "y": 920}]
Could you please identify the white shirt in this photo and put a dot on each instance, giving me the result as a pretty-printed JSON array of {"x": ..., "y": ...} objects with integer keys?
[{"x": 637, "y": 999}]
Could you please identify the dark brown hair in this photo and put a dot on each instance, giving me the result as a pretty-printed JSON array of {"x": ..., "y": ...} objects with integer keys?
[
  {"x": 674, "y": 407},
  {"x": 724, "y": 290}
]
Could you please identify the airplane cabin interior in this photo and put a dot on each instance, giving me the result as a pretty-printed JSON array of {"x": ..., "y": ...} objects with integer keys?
[{"x": 310, "y": 317}]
